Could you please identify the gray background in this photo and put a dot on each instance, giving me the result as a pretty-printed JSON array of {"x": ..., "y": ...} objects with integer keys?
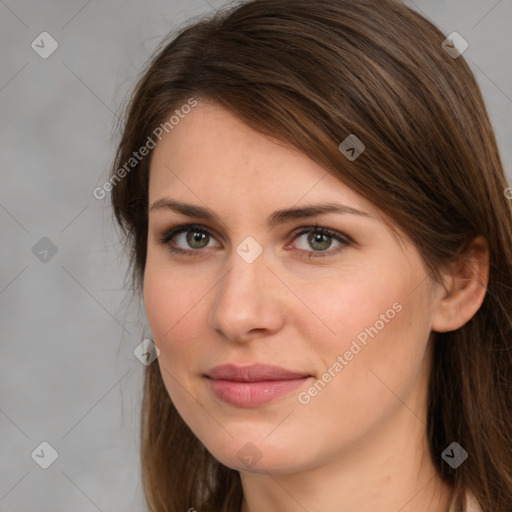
[{"x": 68, "y": 375}]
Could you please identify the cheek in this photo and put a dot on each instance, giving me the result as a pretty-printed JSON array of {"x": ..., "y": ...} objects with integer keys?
[
  {"x": 172, "y": 312},
  {"x": 173, "y": 305},
  {"x": 373, "y": 326},
  {"x": 340, "y": 309}
]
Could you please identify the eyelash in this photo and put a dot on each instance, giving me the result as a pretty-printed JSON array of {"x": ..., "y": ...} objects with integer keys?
[{"x": 345, "y": 240}]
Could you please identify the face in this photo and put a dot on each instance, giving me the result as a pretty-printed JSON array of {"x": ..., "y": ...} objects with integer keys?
[{"x": 338, "y": 309}]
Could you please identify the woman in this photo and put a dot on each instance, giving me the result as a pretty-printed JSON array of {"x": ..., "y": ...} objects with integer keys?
[{"x": 314, "y": 204}]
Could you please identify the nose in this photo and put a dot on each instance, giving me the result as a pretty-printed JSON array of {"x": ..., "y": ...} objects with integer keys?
[{"x": 248, "y": 301}]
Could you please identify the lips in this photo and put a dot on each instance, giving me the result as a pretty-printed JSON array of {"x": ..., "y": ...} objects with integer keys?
[
  {"x": 253, "y": 385},
  {"x": 253, "y": 373}
]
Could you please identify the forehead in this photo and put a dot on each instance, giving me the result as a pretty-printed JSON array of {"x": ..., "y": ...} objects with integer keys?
[
  {"x": 211, "y": 156},
  {"x": 212, "y": 141}
]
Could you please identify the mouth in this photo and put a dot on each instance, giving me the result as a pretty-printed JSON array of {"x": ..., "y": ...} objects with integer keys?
[{"x": 253, "y": 385}]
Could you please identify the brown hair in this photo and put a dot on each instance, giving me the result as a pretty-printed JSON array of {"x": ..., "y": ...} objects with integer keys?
[{"x": 311, "y": 73}]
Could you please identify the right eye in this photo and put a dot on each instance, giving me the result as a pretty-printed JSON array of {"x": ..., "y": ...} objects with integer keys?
[{"x": 194, "y": 236}]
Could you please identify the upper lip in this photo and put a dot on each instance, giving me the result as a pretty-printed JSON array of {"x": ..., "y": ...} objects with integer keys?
[{"x": 253, "y": 373}]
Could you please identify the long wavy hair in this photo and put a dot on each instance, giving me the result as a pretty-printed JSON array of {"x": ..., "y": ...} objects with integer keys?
[{"x": 310, "y": 73}]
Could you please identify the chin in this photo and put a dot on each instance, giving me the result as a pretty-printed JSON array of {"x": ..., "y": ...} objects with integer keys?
[{"x": 256, "y": 455}]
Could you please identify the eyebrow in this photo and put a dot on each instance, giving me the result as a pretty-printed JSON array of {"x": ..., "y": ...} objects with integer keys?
[{"x": 277, "y": 217}]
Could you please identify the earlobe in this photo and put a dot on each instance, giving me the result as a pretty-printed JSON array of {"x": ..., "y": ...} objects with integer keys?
[{"x": 465, "y": 286}]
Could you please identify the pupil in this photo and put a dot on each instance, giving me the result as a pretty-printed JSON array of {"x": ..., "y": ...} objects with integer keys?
[
  {"x": 195, "y": 237},
  {"x": 323, "y": 240}
]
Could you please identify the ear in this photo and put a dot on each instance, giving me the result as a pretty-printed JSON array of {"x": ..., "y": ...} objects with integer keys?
[{"x": 464, "y": 288}]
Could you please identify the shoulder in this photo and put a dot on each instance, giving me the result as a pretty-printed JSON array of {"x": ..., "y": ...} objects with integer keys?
[{"x": 472, "y": 504}]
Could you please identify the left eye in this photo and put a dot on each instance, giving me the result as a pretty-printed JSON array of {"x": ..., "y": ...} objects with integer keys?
[{"x": 320, "y": 239}]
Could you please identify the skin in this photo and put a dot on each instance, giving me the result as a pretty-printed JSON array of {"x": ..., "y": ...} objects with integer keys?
[{"x": 360, "y": 443}]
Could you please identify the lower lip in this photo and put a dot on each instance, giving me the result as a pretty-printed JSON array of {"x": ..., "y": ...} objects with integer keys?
[{"x": 253, "y": 394}]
